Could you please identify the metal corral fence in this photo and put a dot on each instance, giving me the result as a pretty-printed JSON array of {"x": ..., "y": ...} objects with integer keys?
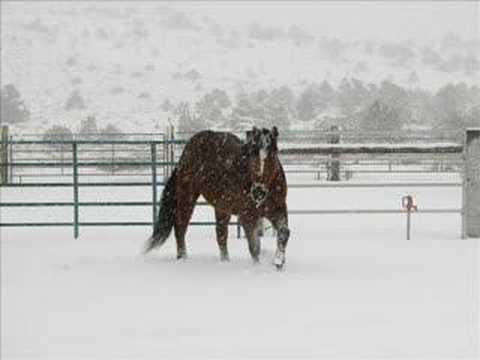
[
  {"x": 70, "y": 156},
  {"x": 323, "y": 167}
]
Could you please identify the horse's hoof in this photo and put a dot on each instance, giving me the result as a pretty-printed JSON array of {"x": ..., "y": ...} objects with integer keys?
[
  {"x": 279, "y": 260},
  {"x": 224, "y": 259},
  {"x": 182, "y": 257}
]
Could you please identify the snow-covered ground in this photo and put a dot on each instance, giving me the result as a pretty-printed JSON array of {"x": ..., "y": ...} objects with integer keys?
[{"x": 353, "y": 286}]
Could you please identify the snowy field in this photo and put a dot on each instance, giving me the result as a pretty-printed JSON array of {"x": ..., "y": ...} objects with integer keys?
[{"x": 353, "y": 287}]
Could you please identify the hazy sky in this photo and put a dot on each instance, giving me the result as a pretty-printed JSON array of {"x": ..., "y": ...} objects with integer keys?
[
  {"x": 424, "y": 21},
  {"x": 382, "y": 20}
]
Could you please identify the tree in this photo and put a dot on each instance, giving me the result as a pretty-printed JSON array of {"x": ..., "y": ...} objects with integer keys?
[
  {"x": 75, "y": 101},
  {"x": 332, "y": 48},
  {"x": 352, "y": 94},
  {"x": 413, "y": 80},
  {"x": 380, "y": 116},
  {"x": 277, "y": 114},
  {"x": 242, "y": 113},
  {"x": 88, "y": 127},
  {"x": 314, "y": 100},
  {"x": 208, "y": 112},
  {"x": 308, "y": 103},
  {"x": 471, "y": 64},
  {"x": 450, "y": 103},
  {"x": 112, "y": 132},
  {"x": 472, "y": 116},
  {"x": 264, "y": 33},
  {"x": 13, "y": 108},
  {"x": 186, "y": 122},
  {"x": 167, "y": 105},
  {"x": 284, "y": 97},
  {"x": 299, "y": 36},
  {"x": 396, "y": 98},
  {"x": 421, "y": 105},
  {"x": 209, "y": 109},
  {"x": 262, "y": 109},
  {"x": 58, "y": 133},
  {"x": 192, "y": 75},
  {"x": 221, "y": 98}
]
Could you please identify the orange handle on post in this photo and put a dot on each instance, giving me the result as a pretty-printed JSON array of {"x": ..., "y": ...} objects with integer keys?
[{"x": 408, "y": 204}]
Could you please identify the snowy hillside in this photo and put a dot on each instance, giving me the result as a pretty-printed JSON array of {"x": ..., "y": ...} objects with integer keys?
[{"x": 125, "y": 61}]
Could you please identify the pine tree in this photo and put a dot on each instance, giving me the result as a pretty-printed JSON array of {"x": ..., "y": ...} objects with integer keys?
[
  {"x": 13, "y": 108},
  {"x": 88, "y": 128},
  {"x": 450, "y": 103},
  {"x": 186, "y": 122},
  {"x": 413, "y": 80},
  {"x": 309, "y": 103},
  {"x": 58, "y": 133},
  {"x": 380, "y": 117},
  {"x": 75, "y": 101}
]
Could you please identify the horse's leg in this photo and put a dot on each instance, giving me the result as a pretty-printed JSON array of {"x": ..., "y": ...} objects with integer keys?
[
  {"x": 221, "y": 228},
  {"x": 183, "y": 213},
  {"x": 278, "y": 216},
  {"x": 250, "y": 227}
]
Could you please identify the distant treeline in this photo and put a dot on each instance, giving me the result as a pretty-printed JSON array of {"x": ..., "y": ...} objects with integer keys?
[{"x": 352, "y": 105}]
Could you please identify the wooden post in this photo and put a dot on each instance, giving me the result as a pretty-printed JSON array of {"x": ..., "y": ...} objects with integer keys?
[
  {"x": 4, "y": 155},
  {"x": 471, "y": 185},
  {"x": 333, "y": 167}
]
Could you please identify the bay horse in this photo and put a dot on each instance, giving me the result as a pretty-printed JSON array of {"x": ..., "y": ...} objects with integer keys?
[{"x": 235, "y": 177}]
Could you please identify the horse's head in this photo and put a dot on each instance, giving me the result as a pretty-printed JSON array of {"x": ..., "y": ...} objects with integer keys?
[{"x": 261, "y": 151}]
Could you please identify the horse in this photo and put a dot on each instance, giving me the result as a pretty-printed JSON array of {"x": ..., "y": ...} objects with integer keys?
[{"x": 239, "y": 178}]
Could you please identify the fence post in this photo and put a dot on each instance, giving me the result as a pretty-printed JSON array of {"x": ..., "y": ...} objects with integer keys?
[
  {"x": 333, "y": 168},
  {"x": 169, "y": 149},
  {"x": 172, "y": 148},
  {"x": 167, "y": 145},
  {"x": 4, "y": 155},
  {"x": 409, "y": 206},
  {"x": 62, "y": 155},
  {"x": 10, "y": 156},
  {"x": 113, "y": 159},
  {"x": 153, "y": 158},
  {"x": 471, "y": 185},
  {"x": 75, "y": 190}
]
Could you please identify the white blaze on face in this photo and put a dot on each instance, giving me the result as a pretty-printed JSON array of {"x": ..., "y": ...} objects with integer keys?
[
  {"x": 265, "y": 143},
  {"x": 263, "y": 156}
]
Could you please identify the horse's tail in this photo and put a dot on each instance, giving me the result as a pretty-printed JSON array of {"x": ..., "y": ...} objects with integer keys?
[{"x": 166, "y": 215}]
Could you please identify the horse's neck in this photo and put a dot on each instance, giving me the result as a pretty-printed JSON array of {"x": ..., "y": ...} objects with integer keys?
[{"x": 277, "y": 168}]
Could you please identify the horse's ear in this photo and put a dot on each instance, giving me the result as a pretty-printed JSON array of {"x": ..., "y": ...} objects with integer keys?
[
  {"x": 253, "y": 134},
  {"x": 275, "y": 132},
  {"x": 250, "y": 136}
]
